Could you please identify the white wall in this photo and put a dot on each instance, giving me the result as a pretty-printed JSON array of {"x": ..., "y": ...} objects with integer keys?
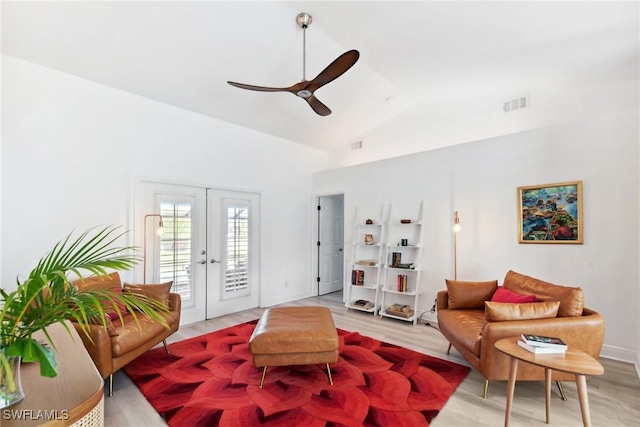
[
  {"x": 428, "y": 126},
  {"x": 480, "y": 180},
  {"x": 1, "y": 58},
  {"x": 72, "y": 150}
]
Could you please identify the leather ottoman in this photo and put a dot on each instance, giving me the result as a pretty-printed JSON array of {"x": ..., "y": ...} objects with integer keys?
[{"x": 286, "y": 336}]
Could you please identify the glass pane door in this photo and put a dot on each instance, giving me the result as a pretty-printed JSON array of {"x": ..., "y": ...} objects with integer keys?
[
  {"x": 233, "y": 240},
  {"x": 179, "y": 254},
  {"x": 236, "y": 249},
  {"x": 176, "y": 247}
]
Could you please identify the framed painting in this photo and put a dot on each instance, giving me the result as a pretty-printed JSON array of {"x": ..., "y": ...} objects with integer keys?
[{"x": 550, "y": 213}]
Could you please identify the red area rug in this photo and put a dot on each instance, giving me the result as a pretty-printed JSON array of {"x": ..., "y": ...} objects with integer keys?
[{"x": 210, "y": 380}]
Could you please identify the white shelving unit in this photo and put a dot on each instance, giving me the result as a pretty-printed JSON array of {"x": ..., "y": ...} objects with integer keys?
[
  {"x": 402, "y": 259},
  {"x": 367, "y": 256}
]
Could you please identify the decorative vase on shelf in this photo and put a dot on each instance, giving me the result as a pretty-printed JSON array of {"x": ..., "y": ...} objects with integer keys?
[{"x": 10, "y": 384}]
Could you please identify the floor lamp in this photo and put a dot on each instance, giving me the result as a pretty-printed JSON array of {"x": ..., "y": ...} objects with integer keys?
[
  {"x": 456, "y": 230},
  {"x": 159, "y": 232}
]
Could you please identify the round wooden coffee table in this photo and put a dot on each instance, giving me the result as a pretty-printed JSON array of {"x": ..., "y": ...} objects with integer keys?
[{"x": 572, "y": 361}]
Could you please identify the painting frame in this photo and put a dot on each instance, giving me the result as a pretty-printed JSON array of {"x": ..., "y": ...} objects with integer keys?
[{"x": 551, "y": 213}]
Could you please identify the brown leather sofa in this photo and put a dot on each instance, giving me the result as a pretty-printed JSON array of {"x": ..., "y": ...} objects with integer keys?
[
  {"x": 472, "y": 323},
  {"x": 123, "y": 340}
]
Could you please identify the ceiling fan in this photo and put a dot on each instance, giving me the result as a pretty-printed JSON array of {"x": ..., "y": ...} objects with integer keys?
[{"x": 305, "y": 89}]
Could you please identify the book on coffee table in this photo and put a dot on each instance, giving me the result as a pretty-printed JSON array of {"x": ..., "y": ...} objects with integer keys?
[
  {"x": 542, "y": 341},
  {"x": 539, "y": 349}
]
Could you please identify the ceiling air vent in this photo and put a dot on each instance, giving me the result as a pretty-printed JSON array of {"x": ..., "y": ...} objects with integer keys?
[
  {"x": 516, "y": 104},
  {"x": 356, "y": 145}
]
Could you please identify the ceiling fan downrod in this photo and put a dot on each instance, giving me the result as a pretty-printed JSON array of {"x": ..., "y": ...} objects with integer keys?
[{"x": 304, "y": 20}]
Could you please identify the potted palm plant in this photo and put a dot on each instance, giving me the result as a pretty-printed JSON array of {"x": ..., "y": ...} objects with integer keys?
[{"x": 47, "y": 297}]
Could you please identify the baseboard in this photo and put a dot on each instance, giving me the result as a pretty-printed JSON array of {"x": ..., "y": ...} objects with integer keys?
[
  {"x": 283, "y": 299},
  {"x": 619, "y": 353},
  {"x": 429, "y": 317}
]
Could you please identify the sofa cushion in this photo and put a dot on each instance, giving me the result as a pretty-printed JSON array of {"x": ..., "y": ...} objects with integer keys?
[
  {"x": 107, "y": 282},
  {"x": 505, "y": 295},
  {"x": 571, "y": 299},
  {"x": 110, "y": 282},
  {"x": 469, "y": 295},
  {"x": 158, "y": 292},
  {"x": 132, "y": 334},
  {"x": 503, "y": 311},
  {"x": 285, "y": 330},
  {"x": 109, "y": 310}
]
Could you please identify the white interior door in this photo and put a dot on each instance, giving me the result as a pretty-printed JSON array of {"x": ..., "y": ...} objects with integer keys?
[
  {"x": 234, "y": 242},
  {"x": 177, "y": 254},
  {"x": 331, "y": 249}
]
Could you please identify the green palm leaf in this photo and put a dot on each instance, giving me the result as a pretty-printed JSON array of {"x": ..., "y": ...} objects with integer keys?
[{"x": 47, "y": 296}]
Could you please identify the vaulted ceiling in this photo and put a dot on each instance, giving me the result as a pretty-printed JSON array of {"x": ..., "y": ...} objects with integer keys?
[{"x": 412, "y": 54}]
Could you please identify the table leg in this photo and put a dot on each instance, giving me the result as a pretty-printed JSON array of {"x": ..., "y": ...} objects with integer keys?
[
  {"x": 547, "y": 392},
  {"x": 513, "y": 370},
  {"x": 581, "y": 384}
]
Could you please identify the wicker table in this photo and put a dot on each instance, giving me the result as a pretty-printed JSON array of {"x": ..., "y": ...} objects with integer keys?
[
  {"x": 75, "y": 397},
  {"x": 572, "y": 361}
]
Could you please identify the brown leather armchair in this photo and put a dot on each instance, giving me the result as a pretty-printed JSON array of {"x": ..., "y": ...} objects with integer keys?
[
  {"x": 124, "y": 340},
  {"x": 473, "y": 331}
]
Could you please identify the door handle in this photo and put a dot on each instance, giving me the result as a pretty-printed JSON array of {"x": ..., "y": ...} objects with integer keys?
[
  {"x": 204, "y": 261},
  {"x": 213, "y": 260}
]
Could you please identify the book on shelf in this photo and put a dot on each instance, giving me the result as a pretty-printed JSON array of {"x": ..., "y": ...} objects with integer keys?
[
  {"x": 542, "y": 341},
  {"x": 357, "y": 277},
  {"x": 396, "y": 258},
  {"x": 363, "y": 303},
  {"x": 408, "y": 266},
  {"x": 401, "y": 285},
  {"x": 399, "y": 310},
  {"x": 541, "y": 350}
]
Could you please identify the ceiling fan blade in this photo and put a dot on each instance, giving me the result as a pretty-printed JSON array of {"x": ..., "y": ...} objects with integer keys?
[
  {"x": 260, "y": 88},
  {"x": 334, "y": 70},
  {"x": 318, "y": 106}
]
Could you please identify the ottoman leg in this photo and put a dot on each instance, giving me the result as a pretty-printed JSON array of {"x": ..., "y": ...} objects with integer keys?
[
  {"x": 264, "y": 372},
  {"x": 329, "y": 373}
]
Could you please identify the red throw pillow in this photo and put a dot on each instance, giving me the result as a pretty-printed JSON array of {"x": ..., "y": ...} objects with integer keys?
[
  {"x": 110, "y": 312},
  {"x": 505, "y": 295}
]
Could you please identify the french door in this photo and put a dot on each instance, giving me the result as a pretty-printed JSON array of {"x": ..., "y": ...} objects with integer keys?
[
  {"x": 209, "y": 248},
  {"x": 233, "y": 262}
]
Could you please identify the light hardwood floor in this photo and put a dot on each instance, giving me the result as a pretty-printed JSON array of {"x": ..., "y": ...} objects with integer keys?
[{"x": 614, "y": 397}]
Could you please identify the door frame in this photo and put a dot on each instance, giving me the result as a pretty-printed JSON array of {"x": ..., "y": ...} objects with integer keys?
[
  {"x": 137, "y": 229},
  {"x": 315, "y": 259}
]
